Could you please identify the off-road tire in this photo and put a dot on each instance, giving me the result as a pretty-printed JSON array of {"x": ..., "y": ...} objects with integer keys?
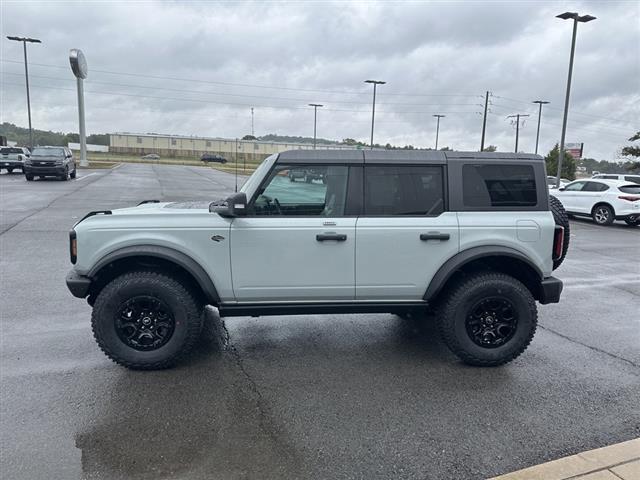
[
  {"x": 186, "y": 311},
  {"x": 454, "y": 308},
  {"x": 562, "y": 219},
  {"x": 29, "y": 177},
  {"x": 603, "y": 215}
]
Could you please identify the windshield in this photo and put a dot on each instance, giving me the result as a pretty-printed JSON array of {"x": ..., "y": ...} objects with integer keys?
[
  {"x": 42, "y": 152},
  {"x": 6, "y": 150},
  {"x": 254, "y": 180}
]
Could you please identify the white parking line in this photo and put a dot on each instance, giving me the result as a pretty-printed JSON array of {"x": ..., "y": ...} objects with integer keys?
[{"x": 85, "y": 176}]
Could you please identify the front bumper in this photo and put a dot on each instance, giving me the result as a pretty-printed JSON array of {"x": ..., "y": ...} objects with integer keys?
[
  {"x": 550, "y": 290},
  {"x": 78, "y": 284},
  {"x": 11, "y": 164},
  {"x": 44, "y": 170}
]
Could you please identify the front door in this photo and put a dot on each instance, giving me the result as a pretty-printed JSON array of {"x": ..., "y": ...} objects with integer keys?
[
  {"x": 404, "y": 234},
  {"x": 295, "y": 244}
]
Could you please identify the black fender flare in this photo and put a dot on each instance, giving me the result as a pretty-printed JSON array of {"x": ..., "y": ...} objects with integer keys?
[
  {"x": 460, "y": 259},
  {"x": 166, "y": 253}
]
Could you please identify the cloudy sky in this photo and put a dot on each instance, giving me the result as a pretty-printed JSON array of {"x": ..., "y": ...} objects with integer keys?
[{"x": 196, "y": 68}]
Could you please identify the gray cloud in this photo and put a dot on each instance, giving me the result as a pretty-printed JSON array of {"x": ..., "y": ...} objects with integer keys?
[{"x": 518, "y": 51}]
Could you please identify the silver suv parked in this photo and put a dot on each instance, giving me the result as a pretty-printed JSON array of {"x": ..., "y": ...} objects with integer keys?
[
  {"x": 472, "y": 236},
  {"x": 12, "y": 158}
]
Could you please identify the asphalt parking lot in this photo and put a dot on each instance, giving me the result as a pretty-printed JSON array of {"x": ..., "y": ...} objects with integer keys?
[{"x": 334, "y": 396}]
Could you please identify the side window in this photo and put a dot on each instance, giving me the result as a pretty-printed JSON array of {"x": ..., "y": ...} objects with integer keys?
[
  {"x": 595, "y": 187},
  {"x": 391, "y": 190},
  {"x": 574, "y": 187},
  {"x": 608, "y": 177},
  {"x": 303, "y": 190},
  {"x": 499, "y": 186}
]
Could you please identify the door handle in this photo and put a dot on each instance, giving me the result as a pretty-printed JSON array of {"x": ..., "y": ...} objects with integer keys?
[
  {"x": 434, "y": 236},
  {"x": 338, "y": 237}
]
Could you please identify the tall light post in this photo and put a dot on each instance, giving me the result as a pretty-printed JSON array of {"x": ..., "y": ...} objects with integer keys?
[
  {"x": 576, "y": 18},
  {"x": 438, "y": 127},
  {"x": 315, "y": 120},
  {"x": 80, "y": 70},
  {"x": 24, "y": 41},
  {"x": 373, "y": 111},
  {"x": 540, "y": 103}
]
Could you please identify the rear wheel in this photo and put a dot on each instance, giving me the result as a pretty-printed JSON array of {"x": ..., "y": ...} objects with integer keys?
[
  {"x": 28, "y": 177},
  {"x": 634, "y": 221},
  {"x": 488, "y": 319},
  {"x": 146, "y": 320},
  {"x": 603, "y": 215}
]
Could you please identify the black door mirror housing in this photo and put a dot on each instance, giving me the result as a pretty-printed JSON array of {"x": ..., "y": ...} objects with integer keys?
[
  {"x": 561, "y": 189},
  {"x": 234, "y": 206}
]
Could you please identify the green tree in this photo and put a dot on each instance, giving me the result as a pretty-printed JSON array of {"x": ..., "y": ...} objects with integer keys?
[
  {"x": 249, "y": 137},
  {"x": 634, "y": 152},
  {"x": 568, "y": 164},
  {"x": 490, "y": 148}
]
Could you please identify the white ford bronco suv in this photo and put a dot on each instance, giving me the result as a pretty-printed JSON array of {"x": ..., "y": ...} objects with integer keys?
[{"x": 473, "y": 237}]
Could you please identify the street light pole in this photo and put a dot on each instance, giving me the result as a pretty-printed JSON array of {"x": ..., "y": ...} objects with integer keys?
[
  {"x": 24, "y": 41},
  {"x": 576, "y": 18},
  {"x": 438, "y": 127},
  {"x": 373, "y": 111},
  {"x": 539, "y": 102},
  {"x": 315, "y": 119}
]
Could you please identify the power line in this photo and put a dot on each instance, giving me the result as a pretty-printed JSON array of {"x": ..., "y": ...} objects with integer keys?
[
  {"x": 335, "y": 92},
  {"x": 194, "y": 100},
  {"x": 290, "y": 99}
]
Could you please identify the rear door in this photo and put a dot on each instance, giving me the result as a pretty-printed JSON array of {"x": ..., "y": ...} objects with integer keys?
[{"x": 404, "y": 233}]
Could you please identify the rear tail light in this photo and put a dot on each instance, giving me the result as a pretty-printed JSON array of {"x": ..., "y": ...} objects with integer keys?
[
  {"x": 73, "y": 246},
  {"x": 629, "y": 198},
  {"x": 558, "y": 242}
]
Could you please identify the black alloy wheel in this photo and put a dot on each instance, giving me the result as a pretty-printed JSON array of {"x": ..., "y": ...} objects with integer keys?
[
  {"x": 492, "y": 322},
  {"x": 144, "y": 323}
]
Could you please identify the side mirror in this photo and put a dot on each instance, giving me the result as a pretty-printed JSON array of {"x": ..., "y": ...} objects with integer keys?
[
  {"x": 234, "y": 206},
  {"x": 561, "y": 189}
]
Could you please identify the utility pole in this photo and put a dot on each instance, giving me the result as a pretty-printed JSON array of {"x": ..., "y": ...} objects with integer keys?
[
  {"x": 539, "y": 102},
  {"x": 252, "y": 131},
  {"x": 24, "y": 41},
  {"x": 484, "y": 120},
  {"x": 438, "y": 127},
  {"x": 373, "y": 111},
  {"x": 576, "y": 18},
  {"x": 236, "y": 162},
  {"x": 517, "y": 117},
  {"x": 315, "y": 119}
]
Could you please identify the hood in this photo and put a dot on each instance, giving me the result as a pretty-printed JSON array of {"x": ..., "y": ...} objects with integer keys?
[{"x": 164, "y": 207}]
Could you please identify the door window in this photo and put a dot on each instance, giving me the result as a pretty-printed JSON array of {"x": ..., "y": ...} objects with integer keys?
[
  {"x": 574, "y": 187},
  {"x": 595, "y": 187},
  {"x": 303, "y": 190},
  {"x": 391, "y": 190}
]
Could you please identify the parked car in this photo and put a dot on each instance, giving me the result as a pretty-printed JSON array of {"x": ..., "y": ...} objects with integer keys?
[
  {"x": 151, "y": 156},
  {"x": 602, "y": 200},
  {"x": 210, "y": 157},
  {"x": 50, "y": 162},
  {"x": 12, "y": 158},
  {"x": 307, "y": 175},
  {"x": 625, "y": 177},
  {"x": 389, "y": 231},
  {"x": 552, "y": 182}
]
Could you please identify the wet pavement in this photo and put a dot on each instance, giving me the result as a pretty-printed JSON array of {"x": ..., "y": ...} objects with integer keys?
[{"x": 333, "y": 396}]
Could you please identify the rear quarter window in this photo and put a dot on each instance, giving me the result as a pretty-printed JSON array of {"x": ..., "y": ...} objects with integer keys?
[
  {"x": 634, "y": 189},
  {"x": 489, "y": 185}
]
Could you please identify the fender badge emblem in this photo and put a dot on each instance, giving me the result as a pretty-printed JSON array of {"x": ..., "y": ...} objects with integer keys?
[{"x": 217, "y": 238}]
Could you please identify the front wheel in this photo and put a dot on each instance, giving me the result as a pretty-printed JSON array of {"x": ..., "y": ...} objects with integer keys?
[
  {"x": 488, "y": 319},
  {"x": 28, "y": 177},
  {"x": 603, "y": 215},
  {"x": 9, "y": 170},
  {"x": 146, "y": 320},
  {"x": 74, "y": 173}
]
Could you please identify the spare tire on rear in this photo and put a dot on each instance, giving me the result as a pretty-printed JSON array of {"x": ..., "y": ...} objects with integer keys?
[{"x": 562, "y": 219}]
